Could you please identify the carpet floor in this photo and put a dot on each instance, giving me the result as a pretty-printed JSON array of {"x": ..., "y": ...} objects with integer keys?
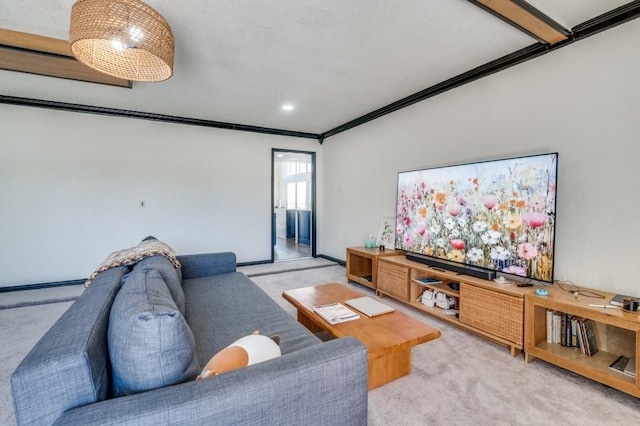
[{"x": 459, "y": 379}]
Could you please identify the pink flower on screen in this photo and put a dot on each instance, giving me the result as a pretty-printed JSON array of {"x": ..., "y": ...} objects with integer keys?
[
  {"x": 515, "y": 270},
  {"x": 489, "y": 201},
  {"x": 421, "y": 230},
  {"x": 457, "y": 244},
  {"x": 454, "y": 209},
  {"x": 408, "y": 240},
  {"x": 527, "y": 251},
  {"x": 534, "y": 220}
]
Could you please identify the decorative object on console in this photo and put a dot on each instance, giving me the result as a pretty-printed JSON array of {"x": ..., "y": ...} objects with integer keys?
[
  {"x": 630, "y": 304},
  {"x": 481, "y": 218},
  {"x": 387, "y": 233},
  {"x": 502, "y": 280},
  {"x": 369, "y": 241},
  {"x": 123, "y": 38}
]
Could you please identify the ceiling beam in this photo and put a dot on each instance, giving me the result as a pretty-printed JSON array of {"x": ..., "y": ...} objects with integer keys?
[
  {"x": 34, "y": 54},
  {"x": 35, "y": 42},
  {"x": 527, "y": 18}
]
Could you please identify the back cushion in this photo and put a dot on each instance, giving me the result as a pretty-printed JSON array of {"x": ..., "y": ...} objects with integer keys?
[
  {"x": 150, "y": 343},
  {"x": 172, "y": 277}
]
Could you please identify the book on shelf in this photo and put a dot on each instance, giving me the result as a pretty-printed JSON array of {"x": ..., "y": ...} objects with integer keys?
[
  {"x": 571, "y": 331},
  {"x": 549, "y": 325},
  {"x": 624, "y": 364},
  {"x": 618, "y": 299},
  {"x": 556, "y": 326},
  {"x": 335, "y": 313},
  {"x": 579, "y": 333},
  {"x": 428, "y": 280},
  {"x": 591, "y": 347},
  {"x": 574, "y": 333}
]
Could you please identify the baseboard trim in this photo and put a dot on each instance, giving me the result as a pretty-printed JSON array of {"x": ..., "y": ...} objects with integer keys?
[
  {"x": 333, "y": 259},
  {"x": 257, "y": 262},
  {"x": 38, "y": 302},
  {"x": 39, "y": 286},
  {"x": 286, "y": 271}
]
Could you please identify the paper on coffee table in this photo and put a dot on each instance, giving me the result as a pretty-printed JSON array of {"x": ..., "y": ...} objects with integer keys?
[{"x": 335, "y": 313}]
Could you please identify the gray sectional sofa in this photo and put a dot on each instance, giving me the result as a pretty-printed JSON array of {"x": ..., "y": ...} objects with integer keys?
[{"x": 79, "y": 374}]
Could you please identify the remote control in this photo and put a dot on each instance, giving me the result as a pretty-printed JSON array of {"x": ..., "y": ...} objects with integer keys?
[
  {"x": 620, "y": 363},
  {"x": 524, "y": 285}
]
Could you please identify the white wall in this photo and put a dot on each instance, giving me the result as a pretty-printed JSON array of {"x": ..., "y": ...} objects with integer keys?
[
  {"x": 71, "y": 184},
  {"x": 581, "y": 101}
]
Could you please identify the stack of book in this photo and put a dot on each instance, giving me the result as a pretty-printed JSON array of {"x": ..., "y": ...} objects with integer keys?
[{"x": 571, "y": 331}]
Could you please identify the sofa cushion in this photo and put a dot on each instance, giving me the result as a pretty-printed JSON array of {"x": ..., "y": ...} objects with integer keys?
[
  {"x": 150, "y": 343},
  {"x": 222, "y": 308},
  {"x": 172, "y": 277}
]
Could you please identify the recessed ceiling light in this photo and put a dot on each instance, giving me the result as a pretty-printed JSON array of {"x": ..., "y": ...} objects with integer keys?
[{"x": 287, "y": 107}]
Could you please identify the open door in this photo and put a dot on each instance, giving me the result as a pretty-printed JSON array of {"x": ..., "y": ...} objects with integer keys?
[{"x": 293, "y": 191}]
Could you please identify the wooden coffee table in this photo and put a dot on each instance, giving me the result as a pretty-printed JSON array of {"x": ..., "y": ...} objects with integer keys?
[{"x": 388, "y": 337}]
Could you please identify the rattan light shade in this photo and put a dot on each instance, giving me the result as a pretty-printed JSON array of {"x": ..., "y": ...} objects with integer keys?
[{"x": 122, "y": 38}]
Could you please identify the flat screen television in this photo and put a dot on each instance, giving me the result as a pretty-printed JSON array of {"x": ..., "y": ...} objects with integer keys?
[{"x": 497, "y": 216}]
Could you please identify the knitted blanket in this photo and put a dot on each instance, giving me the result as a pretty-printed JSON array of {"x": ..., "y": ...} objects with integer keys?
[{"x": 130, "y": 256}]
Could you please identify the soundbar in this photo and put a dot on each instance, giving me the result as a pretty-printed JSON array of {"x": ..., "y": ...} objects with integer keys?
[{"x": 467, "y": 270}]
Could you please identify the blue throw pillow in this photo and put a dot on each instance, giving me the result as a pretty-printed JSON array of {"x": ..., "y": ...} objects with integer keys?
[
  {"x": 172, "y": 277},
  {"x": 150, "y": 343}
]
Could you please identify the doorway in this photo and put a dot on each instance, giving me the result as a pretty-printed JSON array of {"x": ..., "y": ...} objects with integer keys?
[{"x": 293, "y": 189}]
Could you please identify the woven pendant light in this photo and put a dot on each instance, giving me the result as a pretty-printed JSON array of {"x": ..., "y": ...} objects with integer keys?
[{"x": 123, "y": 38}]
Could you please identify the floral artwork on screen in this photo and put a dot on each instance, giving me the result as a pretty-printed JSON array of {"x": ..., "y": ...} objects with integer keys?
[{"x": 497, "y": 215}]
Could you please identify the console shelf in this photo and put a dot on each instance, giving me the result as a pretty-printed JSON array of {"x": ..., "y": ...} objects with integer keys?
[
  {"x": 617, "y": 333},
  {"x": 362, "y": 264},
  {"x": 491, "y": 310}
]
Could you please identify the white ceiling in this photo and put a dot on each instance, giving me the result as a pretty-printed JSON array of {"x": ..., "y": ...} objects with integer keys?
[{"x": 238, "y": 61}]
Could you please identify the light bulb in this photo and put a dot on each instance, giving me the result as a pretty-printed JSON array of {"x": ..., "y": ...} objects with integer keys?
[{"x": 118, "y": 45}]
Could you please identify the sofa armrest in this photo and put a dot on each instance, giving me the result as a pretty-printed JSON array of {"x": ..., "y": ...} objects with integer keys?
[
  {"x": 207, "y": 264},
  {"x": 319, "y": 385}
]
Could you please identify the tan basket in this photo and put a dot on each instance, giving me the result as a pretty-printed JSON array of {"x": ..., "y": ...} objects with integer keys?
[
  {"x": 495, "y": 313},
  {"x": 393, "y": 279}
]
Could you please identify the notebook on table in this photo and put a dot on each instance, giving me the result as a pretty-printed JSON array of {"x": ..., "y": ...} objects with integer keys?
[{"x": 369, "y": 306}]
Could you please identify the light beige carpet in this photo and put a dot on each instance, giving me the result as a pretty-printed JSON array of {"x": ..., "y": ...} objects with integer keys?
[
  {"x": 459, "y": 379},
  {"x": 462, "y": 379}
]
